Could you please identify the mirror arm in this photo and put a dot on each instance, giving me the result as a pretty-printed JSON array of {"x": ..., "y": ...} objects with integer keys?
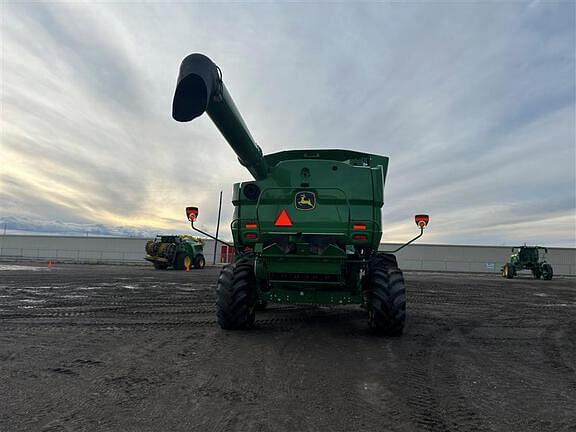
[
  {"x": 411, "y": 241},
  {"x": 208, "y": 235}
]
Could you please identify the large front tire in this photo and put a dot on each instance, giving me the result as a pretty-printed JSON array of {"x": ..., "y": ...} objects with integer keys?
[
  {"x": 386, "y": 298},
  {"x": 508, "y": 271},
  {"x": 199, "y": 262},
  {"x": 180, "y": 261},
  {"x": 236, "y": 291}
]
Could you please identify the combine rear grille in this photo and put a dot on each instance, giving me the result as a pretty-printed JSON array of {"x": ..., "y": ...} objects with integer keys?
[{"x": 304, "y": 277}]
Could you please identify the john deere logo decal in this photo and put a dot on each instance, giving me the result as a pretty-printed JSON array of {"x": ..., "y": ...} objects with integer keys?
[{"x": 305, "y": 200}]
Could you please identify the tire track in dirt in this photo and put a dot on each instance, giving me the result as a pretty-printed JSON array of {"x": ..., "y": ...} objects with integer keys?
[
  {"x": 502, "y": 376},
  {"x": 559, "y": 348},
  {"x": 135, "y": 349}
]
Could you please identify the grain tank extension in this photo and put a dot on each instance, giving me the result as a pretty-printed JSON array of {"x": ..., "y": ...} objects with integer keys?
[{"x": 307, "y": 228}]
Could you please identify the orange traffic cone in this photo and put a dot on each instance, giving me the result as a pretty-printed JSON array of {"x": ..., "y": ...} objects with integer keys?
[
  {"x": 188, "y": 268},
  {"x": 49, "y": 264}
]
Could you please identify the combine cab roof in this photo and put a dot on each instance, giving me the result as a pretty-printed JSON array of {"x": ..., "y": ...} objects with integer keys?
[{"x": 348, "y": 156}]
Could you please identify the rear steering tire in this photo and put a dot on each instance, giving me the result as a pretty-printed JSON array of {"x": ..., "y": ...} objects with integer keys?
[
  {"x": 547, "y": 271},
  {"x": 236, "y": 291},
  {"x": 386, "y": 298}
]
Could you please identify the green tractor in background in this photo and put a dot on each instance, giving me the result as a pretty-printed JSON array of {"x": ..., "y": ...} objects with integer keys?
[
  {"x": 307, "y": 229},
  {"x": 179, "y": 252},
  {"x": 528, "y": 258}
]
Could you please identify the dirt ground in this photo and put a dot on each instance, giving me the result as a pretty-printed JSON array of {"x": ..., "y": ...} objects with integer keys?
[{"x": 128, "y": 348}]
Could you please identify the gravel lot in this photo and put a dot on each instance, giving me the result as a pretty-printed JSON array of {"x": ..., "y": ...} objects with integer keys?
[{"x": 113, "y": 348}]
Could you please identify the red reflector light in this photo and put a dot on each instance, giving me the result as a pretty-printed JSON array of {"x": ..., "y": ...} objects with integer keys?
[
  {"x": 359, "y": 227},
  {"x": 422, "y": 220},
  {"x": 283, "y": 220},
  {"x": 251, "y": 236},
  {"x": 192, "y": 213},
  {"x": 251, "y": 226},
  {"x": 360, "y": 237}
]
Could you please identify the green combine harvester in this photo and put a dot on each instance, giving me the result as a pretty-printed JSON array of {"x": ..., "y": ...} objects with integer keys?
[
  {"x": 179, "y": 252},
  {"x": 306, "y": 229},
  {"x": 528, "y": 258}
]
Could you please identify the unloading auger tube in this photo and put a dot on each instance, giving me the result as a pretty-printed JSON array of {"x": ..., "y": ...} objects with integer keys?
[{"x": 200, "y": 88}]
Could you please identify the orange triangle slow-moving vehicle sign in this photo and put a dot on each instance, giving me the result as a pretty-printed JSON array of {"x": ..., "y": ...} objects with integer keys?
[{"x": 283, "y": 220}]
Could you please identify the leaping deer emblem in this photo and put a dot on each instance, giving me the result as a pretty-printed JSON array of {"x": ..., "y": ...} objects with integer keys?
[{"x": 305, "y": 201}]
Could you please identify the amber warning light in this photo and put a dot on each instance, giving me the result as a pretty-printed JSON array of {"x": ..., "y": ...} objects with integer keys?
[
  {"x": 422, "y": 220},
  {"x": 192, "y": 213}
]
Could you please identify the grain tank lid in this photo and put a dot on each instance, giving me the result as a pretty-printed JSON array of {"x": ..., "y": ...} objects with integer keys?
[{"x": 347, "y": 156}]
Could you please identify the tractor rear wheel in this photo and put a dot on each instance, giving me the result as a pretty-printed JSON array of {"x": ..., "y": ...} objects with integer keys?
[
  {"x": 386, "y": 297},
  {"x": 180, "y": 261},
  {"x": 508, "y": 271},
  {"x": 547, "y": 271},
  {"x": 236, "y": 291},
  {"x": 199, "y": 262}
]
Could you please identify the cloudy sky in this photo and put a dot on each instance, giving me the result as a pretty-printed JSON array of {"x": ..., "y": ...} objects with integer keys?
[{"x": 474, "y": 103}]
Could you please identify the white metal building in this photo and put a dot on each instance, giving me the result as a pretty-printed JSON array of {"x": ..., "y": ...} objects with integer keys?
[{"x": 485, "y": 259}]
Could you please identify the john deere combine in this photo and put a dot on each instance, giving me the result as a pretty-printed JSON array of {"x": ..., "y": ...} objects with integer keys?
[
  {"x": 307, "y": 229},
  {"x": 528, "y": 258}
]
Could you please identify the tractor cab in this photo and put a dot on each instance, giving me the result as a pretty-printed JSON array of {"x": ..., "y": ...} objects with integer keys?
[{"x": 526, "y": 254}]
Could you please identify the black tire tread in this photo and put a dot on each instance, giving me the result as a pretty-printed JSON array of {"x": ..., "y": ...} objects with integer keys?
[
  {"x": 196, "y": 261},
  {"x": 386, "y": 298},
  {"x": 179, "y": 261},
  {"x": 510, "y": 273},
  {"x": 235, "y": 290},
  {"x": 547, "y": 271}
]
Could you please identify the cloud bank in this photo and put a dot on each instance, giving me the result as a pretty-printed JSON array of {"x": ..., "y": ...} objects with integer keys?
[{"x": 474, "y": 103}]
